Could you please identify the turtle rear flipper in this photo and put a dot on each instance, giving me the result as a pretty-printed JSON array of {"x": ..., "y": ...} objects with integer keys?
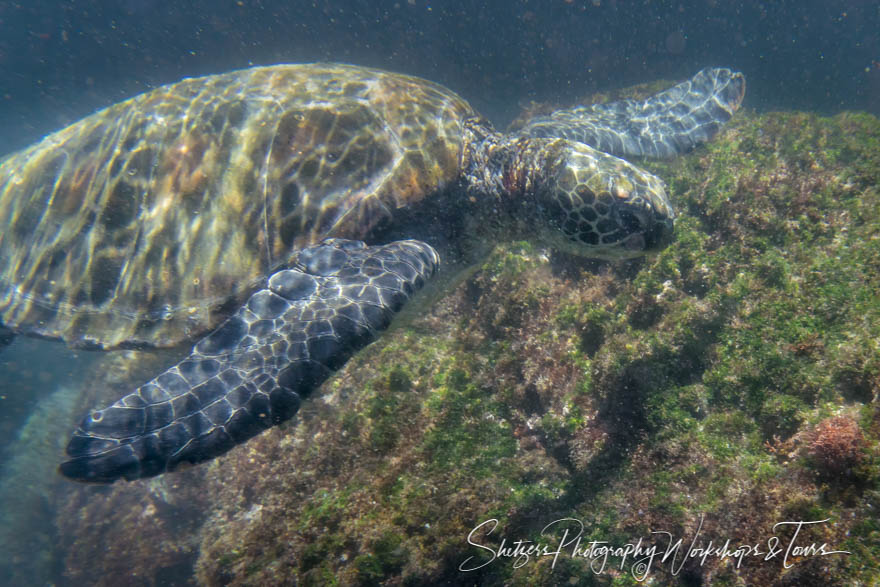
[
  {"x": 664, "y": 125},
  {"x": 252, "y": 372}
]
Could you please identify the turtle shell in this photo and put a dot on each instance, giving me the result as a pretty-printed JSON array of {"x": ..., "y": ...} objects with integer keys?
[{"x": 148, "y": 222}]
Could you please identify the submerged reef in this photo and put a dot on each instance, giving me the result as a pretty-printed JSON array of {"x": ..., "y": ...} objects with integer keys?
[{"x": 720, "y": 387}]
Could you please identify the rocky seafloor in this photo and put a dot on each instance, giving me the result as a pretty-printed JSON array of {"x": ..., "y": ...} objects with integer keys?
[{"x": 712, "y": 391}]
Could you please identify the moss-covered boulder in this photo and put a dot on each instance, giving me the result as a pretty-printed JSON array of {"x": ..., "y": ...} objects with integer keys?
[{"x": 721, "y": 387}]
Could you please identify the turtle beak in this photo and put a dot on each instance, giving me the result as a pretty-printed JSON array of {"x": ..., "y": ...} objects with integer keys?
[
  {"x": 645, "y": 217},
  {"x": 659, "y": 235}
]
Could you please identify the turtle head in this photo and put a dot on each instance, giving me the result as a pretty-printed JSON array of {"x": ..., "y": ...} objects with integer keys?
[{"x": 592, "y": 204}]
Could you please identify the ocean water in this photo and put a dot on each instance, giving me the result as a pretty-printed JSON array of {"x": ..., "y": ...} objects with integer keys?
[{"x": 60, "y": 61}]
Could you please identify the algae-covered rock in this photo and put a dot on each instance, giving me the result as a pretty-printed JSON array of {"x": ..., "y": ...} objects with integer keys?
[{"x": 695, "y": 393}]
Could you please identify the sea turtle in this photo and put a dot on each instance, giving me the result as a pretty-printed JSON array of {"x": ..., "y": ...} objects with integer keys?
[{"x": 230, "y": 211}]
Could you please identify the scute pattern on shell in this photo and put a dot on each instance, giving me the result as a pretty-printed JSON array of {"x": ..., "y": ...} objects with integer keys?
[{"x": 148, "y": 222}]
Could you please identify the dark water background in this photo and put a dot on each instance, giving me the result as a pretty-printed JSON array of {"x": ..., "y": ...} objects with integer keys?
[{"x": 60, "y": 61}]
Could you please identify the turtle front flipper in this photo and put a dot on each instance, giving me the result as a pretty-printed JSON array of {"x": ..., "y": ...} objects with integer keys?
[
  {"x": 253, "y": 371},
  {"x": 666, "y": 124}
]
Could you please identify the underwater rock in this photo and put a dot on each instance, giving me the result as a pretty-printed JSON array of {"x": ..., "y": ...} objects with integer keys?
[
  {"x": 143, "y": 533},
  {"x": 671, "y": 394},
  {"x": 652, "y": 395}
]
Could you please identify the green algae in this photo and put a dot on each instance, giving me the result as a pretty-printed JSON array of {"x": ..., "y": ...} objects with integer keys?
[
  {"x": 387, "y": 558},
  {"x": 780, "y": 314},
  {"x": 471, "y": 432},
  {"x": 747, "y": 338}
]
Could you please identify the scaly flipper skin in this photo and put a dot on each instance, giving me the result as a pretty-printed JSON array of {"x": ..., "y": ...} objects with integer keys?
[
  {"x": 253, "y": 371},
  {"x": 667, "y": 124}
]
